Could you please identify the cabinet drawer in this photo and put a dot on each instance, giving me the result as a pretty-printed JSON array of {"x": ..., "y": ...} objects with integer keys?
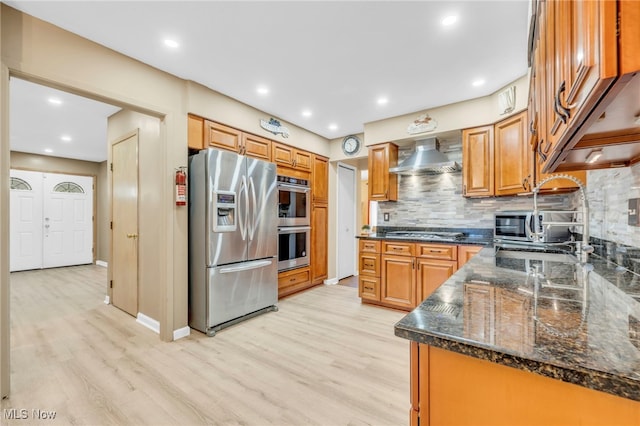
[
  {"x": 399, "y": 249},
  {"x": 438, "y": 251},
  {"x": 369, "y": 246},
  {"x": 369, "y": 288},
  {"x": 293, "y": 277},
  {"x": 370, "y": 264}
]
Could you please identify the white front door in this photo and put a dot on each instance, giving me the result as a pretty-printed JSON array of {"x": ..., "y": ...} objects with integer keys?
[
  {"x": 346, "y": 223},
  {"x": 52, "y": 222},
  {"x": 25, "y": 232},
  {"x": 68, "y": 220}
]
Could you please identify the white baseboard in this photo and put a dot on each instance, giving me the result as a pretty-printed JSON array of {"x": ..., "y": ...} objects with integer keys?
[
  {"x": 102, "y": 263},
  {"x": 106, "y": 299},
  {"x": 148, "y": 322},
  {"x": 181, "y": 332},
  {"x": 331, "y": 281}
]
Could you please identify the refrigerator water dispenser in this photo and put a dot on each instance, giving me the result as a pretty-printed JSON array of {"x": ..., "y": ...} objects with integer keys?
[{"x": 225, "y": 209}]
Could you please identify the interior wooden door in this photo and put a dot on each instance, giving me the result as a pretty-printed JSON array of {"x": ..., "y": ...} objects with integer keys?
[{"x": 124, "y": 233}]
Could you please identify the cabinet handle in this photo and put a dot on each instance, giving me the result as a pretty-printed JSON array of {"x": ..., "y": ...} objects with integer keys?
[
  {"x": 557, "y": 106},
  {"x": 385, "y": 193},
  {"x": 567, "y": 111},
  {"x": 525, "y": 183},
  {"x": 531, "y": 128},
  {"x": 292, "y": 280},
  {"x": 541, "y": 154},
  {"x": 413, "y": 264},
  {"x": 464, "y": 189}
]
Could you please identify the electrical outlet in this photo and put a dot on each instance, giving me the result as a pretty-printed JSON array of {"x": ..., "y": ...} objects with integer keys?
[
  {"x": 386, "y": 217},
  {"x": 634, "y": 212}
]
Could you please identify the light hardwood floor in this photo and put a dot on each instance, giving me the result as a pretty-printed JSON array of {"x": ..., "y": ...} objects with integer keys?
[{"x": 323, "y": 359}]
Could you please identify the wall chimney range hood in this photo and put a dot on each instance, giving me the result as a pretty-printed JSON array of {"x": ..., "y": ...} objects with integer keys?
[{"x": 426, "y": 160}]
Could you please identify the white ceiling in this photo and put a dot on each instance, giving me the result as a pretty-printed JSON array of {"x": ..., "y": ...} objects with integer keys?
[{"x": 334, "y": 58}]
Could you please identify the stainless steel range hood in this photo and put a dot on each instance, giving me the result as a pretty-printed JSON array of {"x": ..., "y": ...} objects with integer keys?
[{"x": 426, "y": 160}]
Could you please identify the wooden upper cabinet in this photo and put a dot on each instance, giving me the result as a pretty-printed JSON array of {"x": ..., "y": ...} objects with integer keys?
[
  {"x": 383, "y": 186},
  {"x": 195, "y": 132},
  {"x": 220, "y": 136},
  {"x": 513, "y": 157},
  {"x": 477, "y": 164},
  {"x": 256, "y": 147},
  {"x": 288, "y": 156},
  {"x": 320, "y": 179}
]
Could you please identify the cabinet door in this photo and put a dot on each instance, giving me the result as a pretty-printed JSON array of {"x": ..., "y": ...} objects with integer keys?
[
  {"x": 479, "y": 312},
  {"x": 431, "y": 274},
  {"x": 517, "y": 332},
  {"x": 319, "y": 243},
  {"x": 302, "y": 160},
  {"x": 320, "y": 179},
  {"x": 465, "y": 253},
  {"x": 398, "y": 281},
  {"x": 512, "y": 156},
  {"x": 195, "y": 132},
  {"x": 282, "y": 154},
  {"x": 220, "y": 136},
  {"x": 383, "y": 186},
  {"x": 477, "y": 162},
  {"x": 256, "y": 147}
]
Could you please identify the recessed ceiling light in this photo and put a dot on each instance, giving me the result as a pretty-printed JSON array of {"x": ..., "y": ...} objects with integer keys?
[
  {"x": 262, "y": 90},
  {"x": 333, "y": 126},
  {"x": 65, "y": 138},
  {"x": 171, "y": 43},
  {"x": 449, "y": 20},
  {"x": 306, "y": 113},
  {"x": 478, "y": 83},
  {"x": 48, "y": 150},
  {"x": 55, "y": 101},
  {"x": 382, "y": 101}
]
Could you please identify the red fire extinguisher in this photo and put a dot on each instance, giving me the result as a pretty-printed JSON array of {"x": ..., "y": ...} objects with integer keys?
[{"x": 181, "y": 187}]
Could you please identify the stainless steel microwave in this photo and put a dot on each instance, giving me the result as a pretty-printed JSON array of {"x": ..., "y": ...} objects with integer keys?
[{"x": 520, "y": 225}]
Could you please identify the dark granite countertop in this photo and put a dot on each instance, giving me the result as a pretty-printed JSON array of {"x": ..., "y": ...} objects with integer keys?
[
  {"x": 480, "y": 237},
  {"x": 572, "y": 322}
]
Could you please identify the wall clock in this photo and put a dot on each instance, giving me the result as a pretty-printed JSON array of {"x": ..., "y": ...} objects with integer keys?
[{"x": 351, "y": 145}]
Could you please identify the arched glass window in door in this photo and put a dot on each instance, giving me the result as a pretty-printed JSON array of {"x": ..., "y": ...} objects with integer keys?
[
  {"x": 68, "y": 187},
  {"x": 20, "y": 184}
]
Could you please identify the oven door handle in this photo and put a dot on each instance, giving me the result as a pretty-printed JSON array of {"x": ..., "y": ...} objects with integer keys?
[
  {"x": 294, "y": 188},
  {"x": 529, "y": 222},
  {"x": 292, "y": 229}
]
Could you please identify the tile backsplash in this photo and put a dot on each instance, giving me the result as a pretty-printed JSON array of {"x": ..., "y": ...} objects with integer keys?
[{"x": 437, "y": 201}]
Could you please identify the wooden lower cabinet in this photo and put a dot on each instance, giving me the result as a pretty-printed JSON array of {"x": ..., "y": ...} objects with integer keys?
[
  {"x": 465, "y": 253},
  {"x": 431, "y": 273},
  {"x": 455, "y": 389},
  {"x": 398, "y": 281},
  {"x": 402, "y": 274},
  {"x": 293, "y": 280}
]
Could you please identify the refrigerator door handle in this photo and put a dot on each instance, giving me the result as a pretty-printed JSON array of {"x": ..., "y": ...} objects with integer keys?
[
  {"x": 242, "y": 218},
  {"x": 246, "y": 266},
  {"x": 254, "y": 206}
]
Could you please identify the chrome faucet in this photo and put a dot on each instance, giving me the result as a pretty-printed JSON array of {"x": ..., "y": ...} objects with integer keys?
[{"x": 585, "y": 248}]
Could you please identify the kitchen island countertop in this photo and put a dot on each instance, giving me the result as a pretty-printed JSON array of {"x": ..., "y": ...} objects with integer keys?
[{"x": 547, "y": 315}]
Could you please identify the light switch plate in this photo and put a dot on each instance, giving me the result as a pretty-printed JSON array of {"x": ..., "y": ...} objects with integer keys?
[
  {"x": 634, "y": 212},
  {"x": 386, "y": 217}
]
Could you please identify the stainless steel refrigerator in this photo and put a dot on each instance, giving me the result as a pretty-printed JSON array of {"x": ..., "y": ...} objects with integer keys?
[{"x": 233, "y": 245}]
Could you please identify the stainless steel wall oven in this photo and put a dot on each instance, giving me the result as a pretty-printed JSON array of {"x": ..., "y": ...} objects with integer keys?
[
  {"x": 294, "y": 203},
  {"x": 293, "y": 247}
]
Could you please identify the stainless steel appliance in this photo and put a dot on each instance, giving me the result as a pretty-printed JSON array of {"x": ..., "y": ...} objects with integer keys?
[
  {"x": 233, "y": 244},
  {"x": 293, "y": 247},
  {"x": 294, "y": 206},
  {"x": 520, "y": 225}
]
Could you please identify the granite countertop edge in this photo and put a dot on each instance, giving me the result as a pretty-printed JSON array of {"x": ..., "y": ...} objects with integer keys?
[
  {"x": 461, "y": 241},
  {"x": 592, "y": 379}
]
